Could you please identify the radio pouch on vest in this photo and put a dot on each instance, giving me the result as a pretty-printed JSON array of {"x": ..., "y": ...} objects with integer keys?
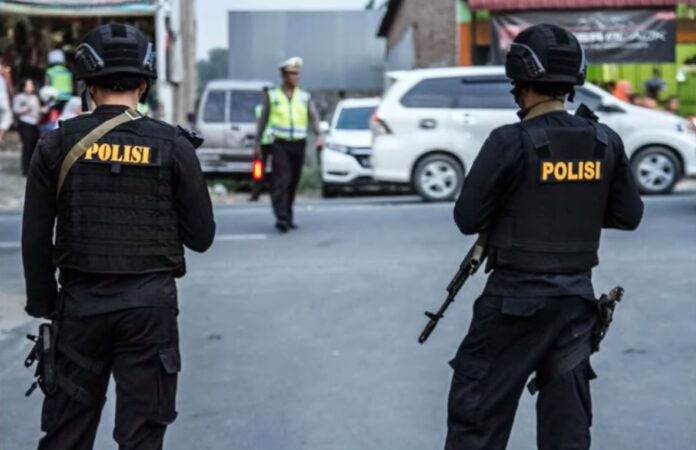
[{"x": 86, "y": 142}]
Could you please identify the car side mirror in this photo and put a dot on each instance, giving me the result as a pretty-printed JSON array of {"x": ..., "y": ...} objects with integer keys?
[{"x": 324, "y": 127}]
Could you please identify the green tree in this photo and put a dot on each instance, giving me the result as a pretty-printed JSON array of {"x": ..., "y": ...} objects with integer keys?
[{"x": 212, "y": 68}]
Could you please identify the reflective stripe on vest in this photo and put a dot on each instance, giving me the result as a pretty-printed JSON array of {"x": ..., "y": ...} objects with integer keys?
[
  {"x": 267, "y": 136},
  {"x": 289, "y": 118},
  {"x": 61, "y": 78}
]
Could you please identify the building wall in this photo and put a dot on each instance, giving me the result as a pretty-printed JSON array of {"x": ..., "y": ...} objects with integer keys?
[
  {"x": 339, "y": 48},
  {"x": 435, "y": 32}
]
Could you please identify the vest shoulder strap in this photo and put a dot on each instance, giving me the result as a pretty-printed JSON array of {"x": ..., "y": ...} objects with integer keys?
[
  {"x": 602, "y": 140},
  {"x": 86, "y": 142},
  {"x": 539, "y": 139}
]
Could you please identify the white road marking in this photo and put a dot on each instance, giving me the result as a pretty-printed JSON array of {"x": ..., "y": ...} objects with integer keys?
[{"x": 10, "y": 244}]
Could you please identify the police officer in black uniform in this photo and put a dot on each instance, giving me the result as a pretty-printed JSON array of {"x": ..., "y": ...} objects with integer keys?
[
  {"x": 128, "y": 206},
  {"x": 542, "y": 189}
]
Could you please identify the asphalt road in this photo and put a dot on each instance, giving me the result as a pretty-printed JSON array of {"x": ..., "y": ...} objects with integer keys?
[{"x": 308, "y": 341}]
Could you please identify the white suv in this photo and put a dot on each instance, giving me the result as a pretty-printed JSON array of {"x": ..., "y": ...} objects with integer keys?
[
  {"x": 345, "y": 161},
  {"x": 432, "y": 122}
]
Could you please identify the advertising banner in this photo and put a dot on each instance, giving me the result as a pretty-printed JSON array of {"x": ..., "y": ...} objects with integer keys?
[{"x": 608, "y": 36}]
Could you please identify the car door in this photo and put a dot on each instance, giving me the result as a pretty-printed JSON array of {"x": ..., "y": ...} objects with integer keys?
[
  {"x": 482, "y": 104},
  {"x": 424, "y": 122},
  {"x": 212, "y": 123},
  {"x": 241, "y": 132}
]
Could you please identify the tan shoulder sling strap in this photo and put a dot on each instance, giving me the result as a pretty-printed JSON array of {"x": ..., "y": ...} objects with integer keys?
[{"x": 86, "y": 142}]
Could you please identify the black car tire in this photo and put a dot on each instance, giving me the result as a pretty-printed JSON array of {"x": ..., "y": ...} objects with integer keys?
[
  {"x": 438, "y": 178},
  {"x": 656, "y": 170}
]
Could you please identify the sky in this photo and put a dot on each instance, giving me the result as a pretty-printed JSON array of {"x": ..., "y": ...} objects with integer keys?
[{"x": 211, "y": 16}]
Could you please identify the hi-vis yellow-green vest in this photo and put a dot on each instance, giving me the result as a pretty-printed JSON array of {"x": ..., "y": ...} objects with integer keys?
[
  {"x": 61, "y": 78},
  {"x": 267, "y": 136},
  {"x": 288, "y": 118}
]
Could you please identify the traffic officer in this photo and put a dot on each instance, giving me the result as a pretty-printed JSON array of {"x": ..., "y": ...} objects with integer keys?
[
  {"x": 59, "y": 77},
  {"x": 124, "y": 205},
  {"x": 289, "y": 112},
  {"x": 265, "y": 142},
  {"x": 542, "y": 190}
]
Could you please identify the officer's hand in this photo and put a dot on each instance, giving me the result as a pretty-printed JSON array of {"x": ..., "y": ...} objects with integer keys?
[{"x": 320, "y": 143}]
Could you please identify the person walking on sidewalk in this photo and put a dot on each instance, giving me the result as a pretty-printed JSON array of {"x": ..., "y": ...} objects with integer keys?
[
  {"x": 27, "y": 108},
  {"x": 289, "y": 112}
]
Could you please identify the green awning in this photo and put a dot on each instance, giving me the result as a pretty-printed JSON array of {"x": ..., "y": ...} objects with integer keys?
[{"x": 72, "y": 8}]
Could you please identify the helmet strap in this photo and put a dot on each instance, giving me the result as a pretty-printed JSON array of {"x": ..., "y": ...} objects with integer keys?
[
  {"x": 86, "y": 97},
  {"x": 143, "y": 97}
]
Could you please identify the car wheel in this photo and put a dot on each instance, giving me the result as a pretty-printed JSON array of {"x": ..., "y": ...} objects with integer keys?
[
  {"x": 656, "y": 170},
  {"x": 438, "y": 178}
]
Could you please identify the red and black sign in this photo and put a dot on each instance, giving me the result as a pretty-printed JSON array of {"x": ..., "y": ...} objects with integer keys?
[{"x": 608, "y": 36}]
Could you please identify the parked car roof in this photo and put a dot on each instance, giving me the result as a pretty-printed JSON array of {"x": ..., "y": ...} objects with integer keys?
[
  {"x": 448, "y": 72},
  {"x": 238, "y": 84},
  {"x": 357, "y": 102}
]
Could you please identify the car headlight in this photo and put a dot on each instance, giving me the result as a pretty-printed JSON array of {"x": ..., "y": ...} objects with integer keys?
[{"x": 338, "y": 148}]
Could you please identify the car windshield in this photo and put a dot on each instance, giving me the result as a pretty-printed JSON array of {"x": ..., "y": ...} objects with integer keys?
[
  {"x": 355, "y": 118},
  {"x": 243, "y": 105}
]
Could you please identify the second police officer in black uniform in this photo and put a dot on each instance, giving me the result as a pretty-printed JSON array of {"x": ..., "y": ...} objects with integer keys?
[
  {"x": 542, "y": 189},
  {"x": 123, "y": 213}
]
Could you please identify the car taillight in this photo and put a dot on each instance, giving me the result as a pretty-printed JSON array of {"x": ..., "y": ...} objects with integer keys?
[{"x": 379, "y": 126}]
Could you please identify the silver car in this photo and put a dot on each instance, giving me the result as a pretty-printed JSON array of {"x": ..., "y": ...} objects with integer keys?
[{"x": 227, "y": 121}]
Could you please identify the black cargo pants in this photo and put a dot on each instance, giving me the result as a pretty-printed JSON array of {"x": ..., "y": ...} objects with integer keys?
[
  {"x": 288, "y": 160},
  {"x": 508, "y": 340},
  {"x": 140, "y": 347}
]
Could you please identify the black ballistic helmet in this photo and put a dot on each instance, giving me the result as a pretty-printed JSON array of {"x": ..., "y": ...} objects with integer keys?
[
  {"x": 115, "y": 50},
  {"x": 546, "y": 54}
]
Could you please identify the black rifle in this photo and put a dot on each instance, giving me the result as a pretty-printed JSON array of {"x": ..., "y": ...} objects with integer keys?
[
  {"x": 468, "y": 267},
  {"x": 43, "y": 353},
  {"x": 605, "y": 312}
]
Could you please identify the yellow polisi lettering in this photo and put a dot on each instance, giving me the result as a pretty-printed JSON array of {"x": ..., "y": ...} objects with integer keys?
[
  {"x": 560, "y": 171},
  {"x": 116, "y": 153},
  {"x": 136, "y": 155},
  {"x": 569, "y": 171},
  {"x": 92, "y": 150},
  {"x": 546, "y": 170},
  {"x": 104, "y": 152},
  {"x": 146, "y": 155}
]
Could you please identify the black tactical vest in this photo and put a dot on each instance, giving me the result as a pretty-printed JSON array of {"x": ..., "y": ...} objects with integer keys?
[
  {"x": 552, "y": 222},
  {"x": 116, "y": 212}
]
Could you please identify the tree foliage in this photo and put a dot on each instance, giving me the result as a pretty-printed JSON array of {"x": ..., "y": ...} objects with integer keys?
[{"x": 212, "y": 68}]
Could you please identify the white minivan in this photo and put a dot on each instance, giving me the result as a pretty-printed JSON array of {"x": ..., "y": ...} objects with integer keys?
[
  {"x": 226, "y": 119},
  {"x": 432, "y": 122}
]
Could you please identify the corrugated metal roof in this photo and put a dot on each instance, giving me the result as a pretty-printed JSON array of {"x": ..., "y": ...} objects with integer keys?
[
  {"x": 78, "y": 7},
  {"x": 506, "y": 5}
]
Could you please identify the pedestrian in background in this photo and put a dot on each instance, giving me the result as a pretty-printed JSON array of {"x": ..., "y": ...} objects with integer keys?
[
  {"x": 289, "y": 112},
  {"x": 60, "y": 77},
  {"x": 5, "y": 106},
  {"x": 655, "y": 85},
  {"x": 27, "y": 108}
]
